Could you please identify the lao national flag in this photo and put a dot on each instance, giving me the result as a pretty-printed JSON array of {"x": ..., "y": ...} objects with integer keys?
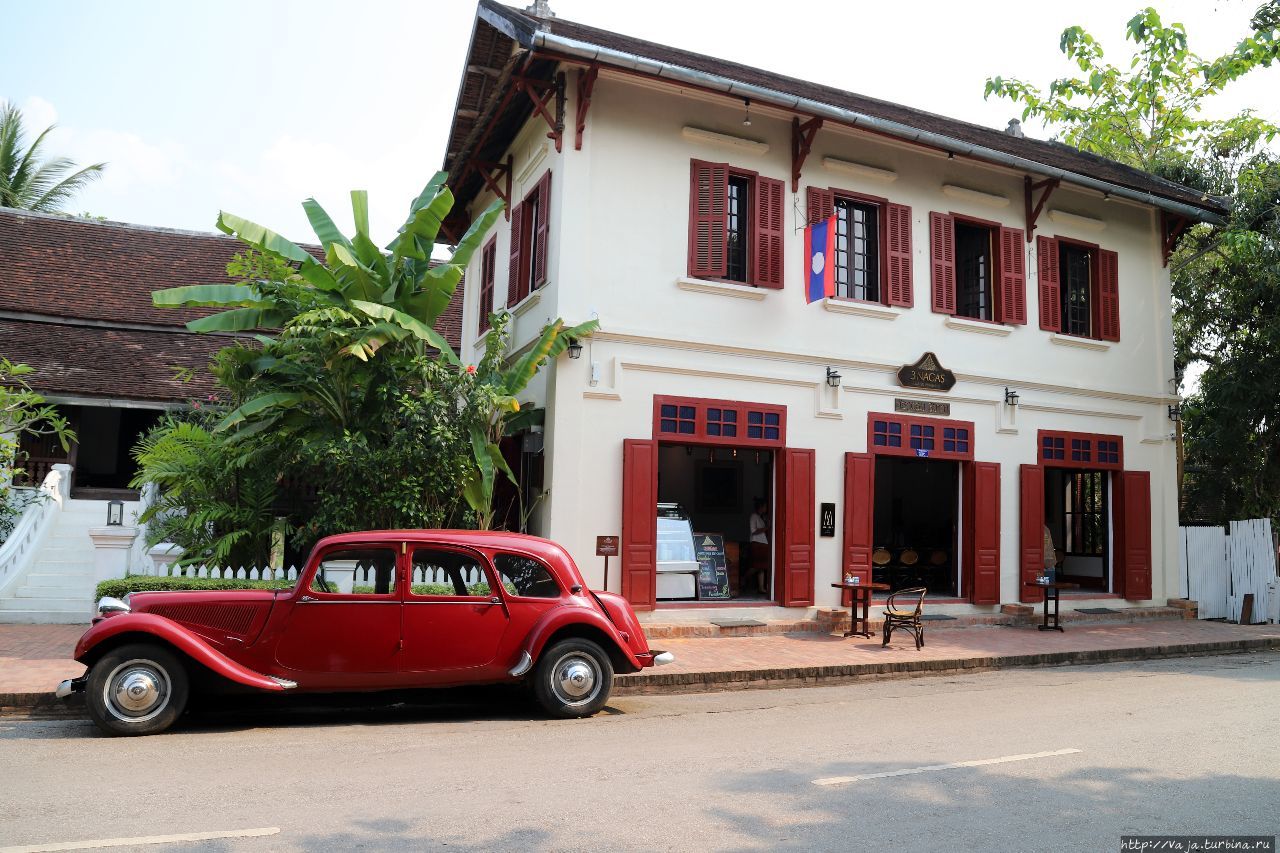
[{"x": 819, "y": 257}]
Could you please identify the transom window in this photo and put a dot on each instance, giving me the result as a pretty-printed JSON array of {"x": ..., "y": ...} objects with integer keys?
[
  {"x": 857, "y": 250},
  {"x": 974, "y": 255},
  {"x": 700, "y": 420},
  {"x": 935, "y": 438},
  {"x": 1080, "y": 450},
  {"x": 1075, "y": 268}
]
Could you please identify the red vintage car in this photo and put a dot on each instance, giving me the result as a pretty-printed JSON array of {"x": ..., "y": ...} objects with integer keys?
[{"x": 371, "y": 611}]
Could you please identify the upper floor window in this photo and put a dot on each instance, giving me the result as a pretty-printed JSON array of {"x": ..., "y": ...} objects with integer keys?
[
  {"x": 488, "y": 263},
  {"x": 527, "y": 270},
  {"x": 1080, "y": 450},
  {"x": 704, "y": 421},
  {"x": 1079, "y": 288},
  {"x": 735, "y": 225},
  {"x": 978, "y": 269},
  {"x": 904, "y": 435},
  {"x": 872, "y": 252}
]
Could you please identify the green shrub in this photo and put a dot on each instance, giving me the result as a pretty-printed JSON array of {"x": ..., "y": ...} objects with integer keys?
[
  {"x": 430, "y": 589},
  {"x": 120, "y": 587}
]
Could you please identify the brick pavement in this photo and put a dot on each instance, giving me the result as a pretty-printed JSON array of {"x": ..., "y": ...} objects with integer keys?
[{"x": 34, "y": 658}]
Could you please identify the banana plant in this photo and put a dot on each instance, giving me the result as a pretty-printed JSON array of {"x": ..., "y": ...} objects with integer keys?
[{"x": 502, "y": 384}]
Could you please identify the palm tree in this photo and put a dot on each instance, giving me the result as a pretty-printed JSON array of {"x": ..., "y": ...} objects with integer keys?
[{"x": 28, "y": 182}]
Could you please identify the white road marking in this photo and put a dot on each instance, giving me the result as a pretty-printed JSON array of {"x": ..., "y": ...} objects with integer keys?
[
  {"x": 907, "y": 771},
  {"x": 143, "y": 839}
]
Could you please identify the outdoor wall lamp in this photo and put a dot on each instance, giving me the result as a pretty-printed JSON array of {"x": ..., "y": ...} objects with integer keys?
[
  {"x": 575, "y": 348},
  {"x": 115, "y": 513},
  {"x": 1010, "y": 397},
  {"x": 1175, "y": 412},
  {"x": 833, "y": 377}
]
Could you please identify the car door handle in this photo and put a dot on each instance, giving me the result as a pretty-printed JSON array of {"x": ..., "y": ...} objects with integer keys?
[{"x": 495, "y": 600}]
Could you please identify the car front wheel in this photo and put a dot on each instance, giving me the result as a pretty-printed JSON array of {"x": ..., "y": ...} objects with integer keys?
[
  {"x": 138, "y": 689},
  {"x": 573, "y": 679}
]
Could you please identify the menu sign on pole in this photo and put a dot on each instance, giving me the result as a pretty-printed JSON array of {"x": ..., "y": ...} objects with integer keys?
[{"x": 713, "y": 572}]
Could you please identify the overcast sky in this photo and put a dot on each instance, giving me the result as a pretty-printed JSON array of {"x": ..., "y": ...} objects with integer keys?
[{"x": 251, "y": 105}]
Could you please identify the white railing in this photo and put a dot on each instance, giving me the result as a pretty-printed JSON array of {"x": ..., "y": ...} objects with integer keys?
[
  {"x": 364, "y": 574},
  {"x": 28, "y": 534}
]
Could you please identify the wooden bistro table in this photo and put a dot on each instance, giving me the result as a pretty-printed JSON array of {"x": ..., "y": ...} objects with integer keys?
[
  {"x": 1051, "y": 590},
  {"x": 860, "y": 594}
]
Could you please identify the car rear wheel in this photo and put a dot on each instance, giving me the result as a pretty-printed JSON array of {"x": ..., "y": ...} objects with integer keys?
[
  {"x": 573, "y": 679},
  {"x": 138, "y": 689}
]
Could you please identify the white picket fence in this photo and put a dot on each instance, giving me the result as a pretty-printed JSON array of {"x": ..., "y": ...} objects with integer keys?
[
  {"x": 1220, "y": 567},
  {"x": 364, "y": 574}
]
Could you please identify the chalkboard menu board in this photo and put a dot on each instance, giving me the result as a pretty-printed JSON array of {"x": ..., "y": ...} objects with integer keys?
[{"x": 713, "y": 572}]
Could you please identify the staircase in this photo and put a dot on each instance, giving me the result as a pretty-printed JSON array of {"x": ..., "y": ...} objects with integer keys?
[{"x": 57, "y": 586}]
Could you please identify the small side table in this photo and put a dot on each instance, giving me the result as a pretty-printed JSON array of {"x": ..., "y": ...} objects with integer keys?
[
  {"x": 860, "y": 595},
  {"x": 1051, "y": 593}
]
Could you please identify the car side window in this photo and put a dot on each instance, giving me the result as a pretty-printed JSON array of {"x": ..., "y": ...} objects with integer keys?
[
  {"x": 363, "y": 571},
  {"x": 436, "y": 571},
  {"x": 526, "y": 577}
]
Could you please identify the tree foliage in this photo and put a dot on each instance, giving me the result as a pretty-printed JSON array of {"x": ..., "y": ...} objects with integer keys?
[
  {"x": 29, "y": 182},
  {"x": 23, "y": 412},
  {"x": 1225, "y": 277}
]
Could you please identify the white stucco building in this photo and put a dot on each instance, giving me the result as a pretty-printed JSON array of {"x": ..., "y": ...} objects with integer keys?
[{"x": 1033, "y": 274}]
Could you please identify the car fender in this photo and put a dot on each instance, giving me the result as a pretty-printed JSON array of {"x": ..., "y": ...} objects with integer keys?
[
  {"x": 190, "y": 644},
  {"x": 554, "y": 620}
]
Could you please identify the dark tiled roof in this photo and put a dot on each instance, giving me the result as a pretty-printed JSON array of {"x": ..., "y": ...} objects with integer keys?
[
  {"x": 88, "y": 361},
  {"x": 1051, "y": 154}
]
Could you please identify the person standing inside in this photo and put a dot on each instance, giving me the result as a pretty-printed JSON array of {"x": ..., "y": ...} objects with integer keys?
[
  {"x": 759, "y": 548},
  {"x": 1050, "y": 555}
]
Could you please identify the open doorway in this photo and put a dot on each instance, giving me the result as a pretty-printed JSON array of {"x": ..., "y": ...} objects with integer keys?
[
  {"x": 916, "y": 524},
  {"x": 101, "y": 458},
  {"x": 1077, "y": 513},
  {"x": 709, "y": 500}
]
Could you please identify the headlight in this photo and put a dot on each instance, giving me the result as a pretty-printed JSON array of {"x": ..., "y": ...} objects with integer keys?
[{"x": 108, "y": 605}]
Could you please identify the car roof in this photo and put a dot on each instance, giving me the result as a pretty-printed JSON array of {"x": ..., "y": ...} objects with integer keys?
[{"x": 491, "y": 539}]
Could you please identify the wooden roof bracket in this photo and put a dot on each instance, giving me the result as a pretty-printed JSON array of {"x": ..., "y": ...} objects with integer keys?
[
  {"x": 541, "y": 92},
  {"x": 586, "y": 83},
  {"x": 1174, "y": 226},
  {"x": 484, "y": 168},
  {"x": 1030, "y": 187},
  {"x": 801, "y": 143}
]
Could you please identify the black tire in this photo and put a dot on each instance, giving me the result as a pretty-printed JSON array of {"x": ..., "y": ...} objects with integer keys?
[
  {"x": 573, "y": 679},
  {"x": 138, "y": 689}
]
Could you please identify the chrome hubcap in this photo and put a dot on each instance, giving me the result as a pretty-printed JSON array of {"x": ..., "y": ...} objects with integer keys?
[
  {"x": 137, "y": 690},
  {"x": 576, "y": 679}
]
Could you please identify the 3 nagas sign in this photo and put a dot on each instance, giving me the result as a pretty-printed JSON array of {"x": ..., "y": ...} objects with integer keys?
[{"x": 927, "y": 373}]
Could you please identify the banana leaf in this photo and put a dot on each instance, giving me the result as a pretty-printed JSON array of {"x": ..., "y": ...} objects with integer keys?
[
  {"x": 475, "y": 235},
  {"x": 553, "y": 341},
  {"x": 360, "y": 211},
  {"x": 210, "y": 295},
  {"x": 238, "y": 320},
  {"x": 430, "y": 191},
  {"x": 478, "y": 490},
  {"x": 409, "y": 324},
  {"x": 261, "y": 403},
  {"x": 418, "y": 234},
  {"x": 322, "y": 224},
  {"x": 260, "y": 238}
]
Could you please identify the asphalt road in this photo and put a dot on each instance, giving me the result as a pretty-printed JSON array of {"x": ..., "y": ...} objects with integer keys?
[{"x": 1166, "y": 747}]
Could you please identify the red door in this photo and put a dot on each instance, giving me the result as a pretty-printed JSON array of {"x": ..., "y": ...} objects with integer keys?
[
  {"x": 453, "y": 619},
  {"x": 859, "y": 508},
  {"x": 1031, "y": 553},
  {"x": 639, "y": 522},
  {"x": 983, "y": 499},
  {"x": 796, "y": 544},
  {"x": 1133, "y": 503}
]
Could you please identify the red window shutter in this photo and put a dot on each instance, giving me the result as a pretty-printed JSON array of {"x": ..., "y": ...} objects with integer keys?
[
  {"x": 1050, "y": 291},
  {"x": 515, "y": 267},
  {"x": 1135, "y": 533},
  {"x": 984, "y": 544},
  {"x": 1031, "y": 527},
  {"x": 797, "y": 545},
  {"x": 767, "y": 232},
  {"x": 899, "y": 255},
  {"x": 488, "y": 263},
  {"x": 639, "y": 522},
  {"x": 708, "y": 212},
  {"x": 859, "y": 502},
  {"x": 942, "y": 259},
  {"x": 540, "y": 228},
  {"x": 1108, "y": 295},
  {"x": 1013, "y": 277},
  {"x": 820, "y": 204}
]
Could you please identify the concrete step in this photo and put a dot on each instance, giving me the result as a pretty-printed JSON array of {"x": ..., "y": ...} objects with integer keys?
[
  {"x": 60, "y": 605},
  {"x": 59, "y": 579},
  {"x": 58, "y": 567},
  {"x": 42, "y": 617},
  {"x": 69, "y": 592}
]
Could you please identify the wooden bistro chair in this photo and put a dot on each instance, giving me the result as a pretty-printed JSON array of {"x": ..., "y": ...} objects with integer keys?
[{"x": 895, "y": 616}]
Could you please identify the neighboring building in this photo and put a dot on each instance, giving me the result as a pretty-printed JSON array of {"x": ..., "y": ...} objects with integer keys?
[
  {"x": 666, "y": 194},
  {"x": 76, "y": 307}
]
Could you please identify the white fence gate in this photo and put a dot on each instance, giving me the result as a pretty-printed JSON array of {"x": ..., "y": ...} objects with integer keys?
[{"x": 1220, "y": 567}]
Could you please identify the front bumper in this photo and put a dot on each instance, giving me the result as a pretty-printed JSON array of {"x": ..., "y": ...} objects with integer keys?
[{"x": 71, "y": 685}]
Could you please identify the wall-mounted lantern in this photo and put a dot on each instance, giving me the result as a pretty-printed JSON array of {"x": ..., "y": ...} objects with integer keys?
[
  {"x": 115, "y": 513},
  {"x": 833, "y": 377},
  {"x": 575, "y": 348},
  {"x": 1175, "y": 412},
  {"x": 1010, "y": 397}
]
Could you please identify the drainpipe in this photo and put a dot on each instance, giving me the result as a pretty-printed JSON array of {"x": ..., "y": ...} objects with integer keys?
[{"x": 667, "y": 71}]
